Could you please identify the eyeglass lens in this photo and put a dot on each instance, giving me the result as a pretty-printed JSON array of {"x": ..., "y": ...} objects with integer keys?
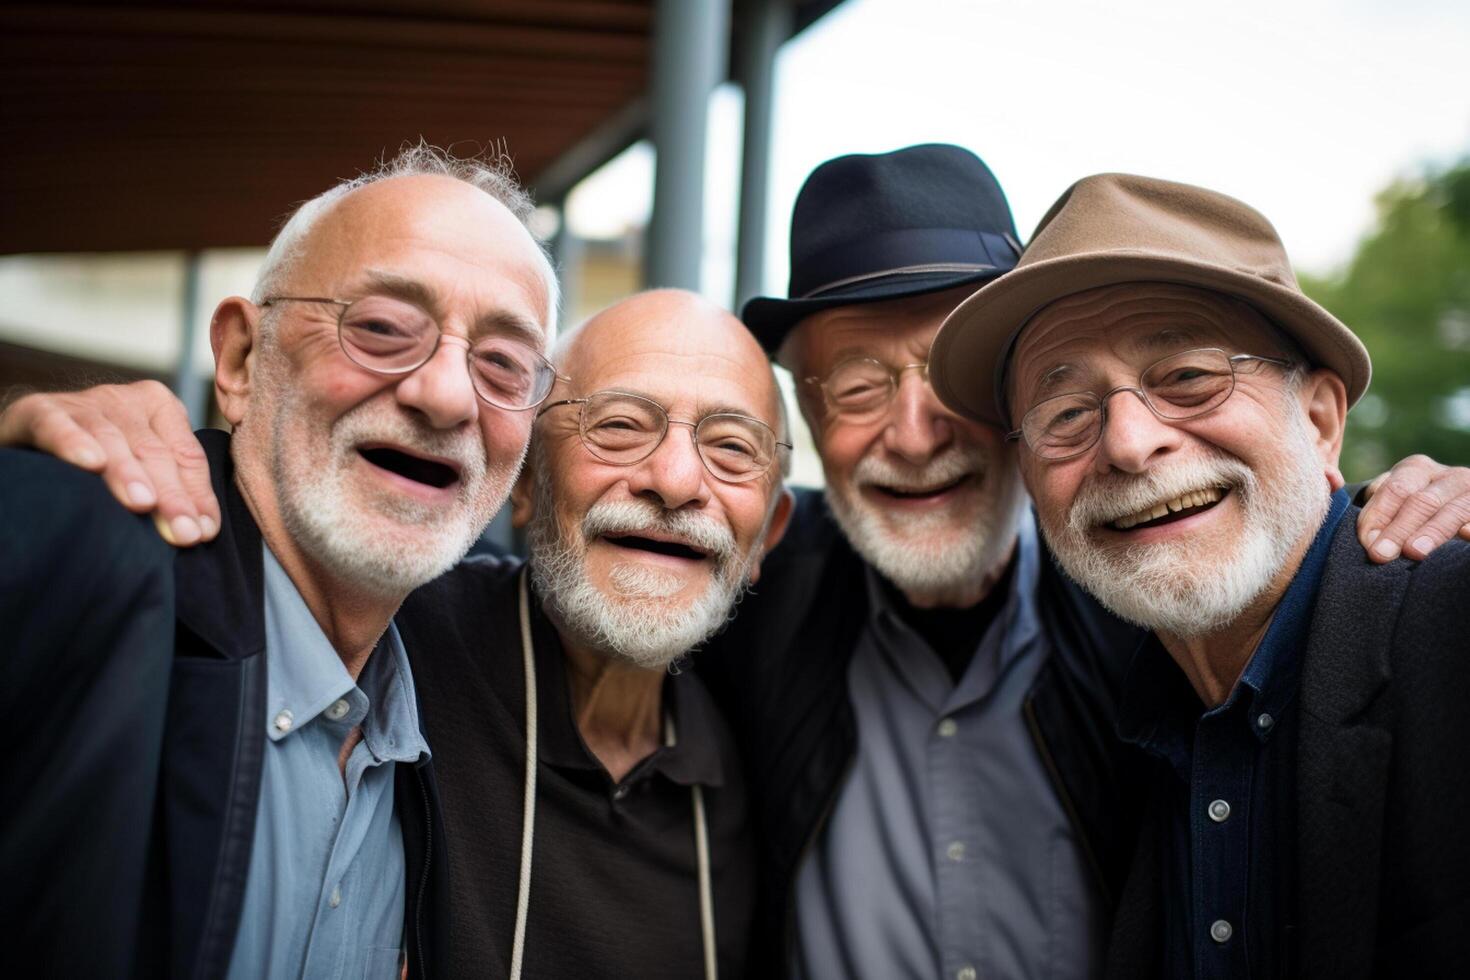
[
  {"x": 392, "y": 336},
  {"x": 620, "y": 428},
  {"x": 863, "y": 385},
  {"x": 1179, "y": 387}
]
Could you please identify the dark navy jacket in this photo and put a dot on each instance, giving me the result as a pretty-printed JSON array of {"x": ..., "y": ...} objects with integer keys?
[
  {"x": 1382, "y": 780},
  {"x": 144, "y": 872}
]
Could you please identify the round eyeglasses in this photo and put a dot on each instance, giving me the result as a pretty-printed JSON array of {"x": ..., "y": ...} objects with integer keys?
[
  {"x": 623, "y": 429},
  {"x": 1181, "y": 386},
  {"x": 392, "y": 336},
  {"x": 862, "y": 386}
]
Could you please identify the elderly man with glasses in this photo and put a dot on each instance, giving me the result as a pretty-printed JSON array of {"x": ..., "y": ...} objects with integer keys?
[
  {"x": 652, "y": 492},
  {"x": 1180, "y": 406},
  {"x": 216, "y": 760}
]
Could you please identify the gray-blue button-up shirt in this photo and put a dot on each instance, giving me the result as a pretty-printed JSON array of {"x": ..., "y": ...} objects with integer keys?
[
  {"x": 947, "y": 853},
  {"x": 325, "y": 893}
]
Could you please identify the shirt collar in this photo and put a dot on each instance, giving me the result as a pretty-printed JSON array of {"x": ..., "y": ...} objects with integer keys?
[
  {"x": 305, "y": 677},
  {"x": 695, "y": 756},
  {"x": 1017, "y": 620},
  {"x": 1275, "y": 667}
]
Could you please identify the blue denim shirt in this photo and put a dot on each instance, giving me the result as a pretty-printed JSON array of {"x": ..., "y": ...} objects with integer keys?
[
  {"x": 325, "y": 893},
  {"x": 1226, "y": 806}
]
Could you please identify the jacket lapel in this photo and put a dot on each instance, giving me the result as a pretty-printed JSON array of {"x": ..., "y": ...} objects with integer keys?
[
  {"x": 1343, "y": 755},
  {"x": 215, "y": 738}
]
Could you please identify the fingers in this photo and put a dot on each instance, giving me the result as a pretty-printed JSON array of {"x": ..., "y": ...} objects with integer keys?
[
  {"x": 36, "y": 420},
  {"x": 177, "y": 470},
  {"x": 1388, "y": 491},
  {"x": 1419, "y": 507}
]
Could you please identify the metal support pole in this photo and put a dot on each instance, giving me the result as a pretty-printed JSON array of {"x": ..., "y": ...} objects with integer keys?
[
  {"x": 566, "y": 258},
  {"x": 690, "y": 41},
  {"x": 187, "y": 383},
  {"x": 764, "y": 25}
]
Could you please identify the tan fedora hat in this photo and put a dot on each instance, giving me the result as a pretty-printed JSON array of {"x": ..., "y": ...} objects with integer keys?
[{"x": 1116, "y": 228}]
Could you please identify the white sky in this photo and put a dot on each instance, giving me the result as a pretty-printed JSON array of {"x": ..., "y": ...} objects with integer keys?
[{"x": 1303, "y": 109}]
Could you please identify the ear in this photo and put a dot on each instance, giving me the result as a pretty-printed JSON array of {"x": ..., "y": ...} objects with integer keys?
[
  {"x": 232, "y": 336},
  {"x": 1323, "y": 397},
  {"x": 522, "y": 495},
  {"x": 775, "y": 530}
]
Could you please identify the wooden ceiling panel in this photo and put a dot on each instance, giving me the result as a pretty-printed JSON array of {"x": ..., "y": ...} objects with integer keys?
[{"x": 198, "y": 123}]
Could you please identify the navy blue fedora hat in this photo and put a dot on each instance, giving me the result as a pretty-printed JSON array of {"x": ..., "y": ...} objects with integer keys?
[{"x": 873, "y": 227}]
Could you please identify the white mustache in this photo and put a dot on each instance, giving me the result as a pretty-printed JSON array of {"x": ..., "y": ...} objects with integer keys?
[
  {"x": 635, "y": 516},
  {"x": 947, "y": 467},
  {"x": 1104, "y": 499}
]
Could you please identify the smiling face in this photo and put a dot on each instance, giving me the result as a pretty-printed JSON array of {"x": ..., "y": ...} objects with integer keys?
[
  {"x": 1179, "y": 526},
  {"x": 928, "y": 498},
  {"x": 385, "y": 480},
  {"x": 646, "y": 560}
]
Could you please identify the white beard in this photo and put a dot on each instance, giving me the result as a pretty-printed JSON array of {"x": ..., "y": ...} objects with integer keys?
[
  {"x": 340, "y": 525},
  {"x": 644, "y": 624},
  {"x": 1169, "y": 587},
  {"x": 930, "y": 554}
]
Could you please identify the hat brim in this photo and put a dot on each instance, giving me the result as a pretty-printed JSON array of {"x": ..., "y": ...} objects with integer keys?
[
  {"x": 771, "y": 319},
  {"x": 965, "y": 364}
]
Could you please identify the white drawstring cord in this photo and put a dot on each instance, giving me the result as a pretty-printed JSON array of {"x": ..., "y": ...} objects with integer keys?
[{"x": 528, "y": 813}]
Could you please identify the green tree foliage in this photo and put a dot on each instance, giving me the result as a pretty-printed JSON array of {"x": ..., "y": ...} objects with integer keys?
[{"x": 1406, "y": 293}]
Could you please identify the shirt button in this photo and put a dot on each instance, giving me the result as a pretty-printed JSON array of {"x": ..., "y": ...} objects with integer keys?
[
  {"x": 283, "y": 721},
  {"x": 1221, "y": 931},
  {"x": 947, "y": 728},
  {"x": 1219, "y": 811},
  {"x": 336, "y": 898},
  {"x": 1264, "y": 721},
  {"x": 621, "y": 792},
  {"x": 338, "y": 709},
  {"x": 965, "y": 973},
  {"x": 956, "y": 851}
]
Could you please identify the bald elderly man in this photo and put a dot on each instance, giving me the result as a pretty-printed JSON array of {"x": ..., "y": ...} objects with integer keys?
[
  {"x": 216, "y": 756},
  {"x": 652, "y": 492},
  {"x": 1181, "y": 405}
]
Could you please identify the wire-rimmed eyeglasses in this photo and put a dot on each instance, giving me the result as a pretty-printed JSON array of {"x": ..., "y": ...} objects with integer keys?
[
  {"x": 622, "y": 428},
  {"x": 1181, "y": 386},
  {"x": 859, "y": 387},
  {"x": 392, "y": 336}
]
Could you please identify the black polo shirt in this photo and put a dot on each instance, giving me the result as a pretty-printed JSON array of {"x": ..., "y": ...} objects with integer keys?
[{"x": 614, "y": 886}]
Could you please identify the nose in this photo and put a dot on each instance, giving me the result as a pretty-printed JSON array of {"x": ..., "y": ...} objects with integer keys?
[
  {"x": 440, "y": 388},
  {"x": 1133, "y": 436},
  {"x": 673, "y": 475},
  {"x": 918, "y": 425}
]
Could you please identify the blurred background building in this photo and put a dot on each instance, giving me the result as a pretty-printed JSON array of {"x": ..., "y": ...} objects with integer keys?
[{"x": 151, "y": 150}]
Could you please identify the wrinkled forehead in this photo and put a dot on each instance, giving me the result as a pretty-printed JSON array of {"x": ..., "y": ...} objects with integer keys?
[{"x": 1076, "y": 338}]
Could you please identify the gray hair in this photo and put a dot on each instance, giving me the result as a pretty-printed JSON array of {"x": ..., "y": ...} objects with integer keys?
[{"x": 491, "y": 171}]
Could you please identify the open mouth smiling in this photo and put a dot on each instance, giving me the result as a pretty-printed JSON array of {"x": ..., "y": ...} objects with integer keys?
[
  {"x": 670, "y": 549},
  {"x": 1168, "y": 511},
  {"x": 420, "y": 469}
]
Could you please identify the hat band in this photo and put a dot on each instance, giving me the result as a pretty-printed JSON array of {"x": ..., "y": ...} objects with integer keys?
[
  {"x": 908, "y": 270},
  {"x": 908, "y": 250}
]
